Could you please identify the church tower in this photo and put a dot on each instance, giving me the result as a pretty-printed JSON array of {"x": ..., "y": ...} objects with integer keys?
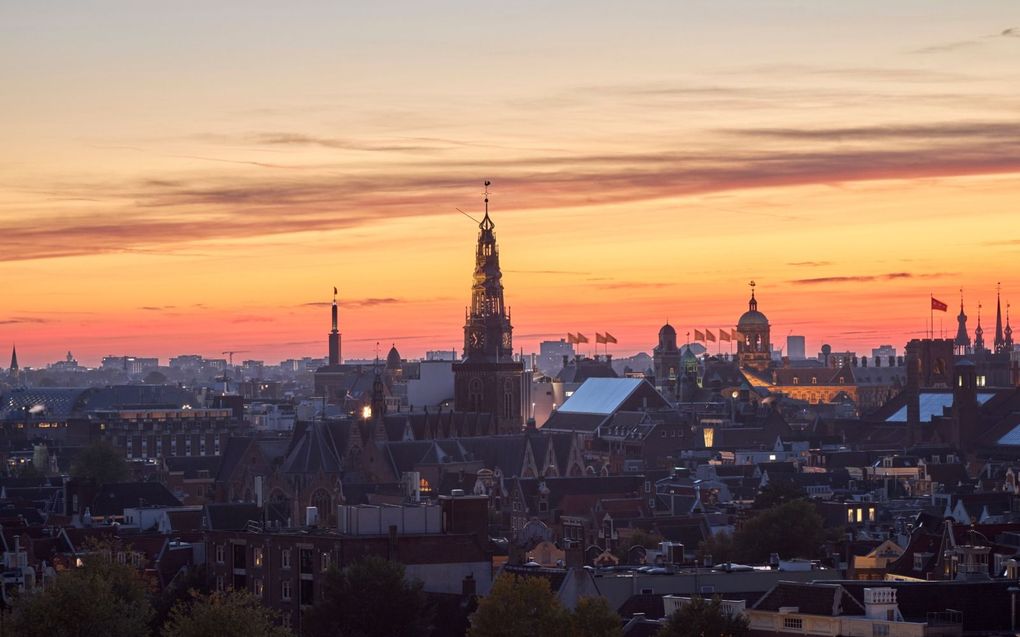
[
  {"x": 334, "y": 337},
  {"x": 754, "y": 349},
  {"x": 961, "y": 344},
  {"x": 666, "y": 361},
  {"x": 488, "y": 379}
]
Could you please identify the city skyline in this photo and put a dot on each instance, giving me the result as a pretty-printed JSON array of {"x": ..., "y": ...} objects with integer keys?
[{"x": 635, "y": 179}]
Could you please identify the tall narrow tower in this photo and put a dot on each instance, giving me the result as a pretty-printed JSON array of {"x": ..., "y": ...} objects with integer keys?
[
  {"x": 488, "y": 379},
  {"x": 999, "y": 343},
  {"x": 1007, "y": 342},
  {"x": 961, "y": 344},
  {"x": 334, "y": 336},
  {"x": 979, "y": 334},
  {"x": 15, "y": 371}
]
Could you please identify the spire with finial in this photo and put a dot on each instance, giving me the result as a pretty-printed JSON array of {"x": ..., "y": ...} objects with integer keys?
[
  {"x": 962, "y": 341},
  {"x": 752, "y": 305},
  {"x": 979, "y": 334},
  {"x": 999, "y": 343},
  {"x": 1007, "y": 343},
  {"x": 486, "y": 221},
  {"x": 334, "y": 333}
]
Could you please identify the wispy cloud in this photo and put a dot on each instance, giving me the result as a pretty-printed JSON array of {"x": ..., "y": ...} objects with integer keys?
[
  {"x": 635, "y": 285},
  {"x": 161, "y": 212},
  {"x": 945, "y": 47},
  {"x": 16, "y": 320},
  {"x": 157, "y": 308},
  {"x": 864, "y": 278},
  {"x": 810, "y": 264},
  {"x": 556, "y": 272}
]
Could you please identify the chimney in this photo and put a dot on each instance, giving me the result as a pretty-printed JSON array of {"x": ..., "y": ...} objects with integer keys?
[
  {"x": 864, "y": 361},
  {"x": 468, "y": 586}
]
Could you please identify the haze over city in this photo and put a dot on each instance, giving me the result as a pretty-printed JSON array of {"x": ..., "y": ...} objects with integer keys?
[{"x": 197, "y": 178}]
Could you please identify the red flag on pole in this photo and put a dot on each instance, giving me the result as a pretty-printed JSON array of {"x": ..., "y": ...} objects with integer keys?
[
  {"x": 571, "y": 339},
  {"x": 610, "y": 338},
  {"x": 724, "y": 335},
  {"x": 698, "y": 335},
  {"x": 938, "y": 305},
  {"x": 599, "y": 339},
  {"x": 581, "y": 338},
  {"x": 709, "y": 335}
]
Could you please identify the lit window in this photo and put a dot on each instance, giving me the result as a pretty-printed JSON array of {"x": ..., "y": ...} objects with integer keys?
[
  {"x": 871, "y": 514},
  {"x": 793, "y": 622},
  {"x": 285, "y": 590},
  {"x": 860, "y": 514},
  {"x": 257, "y": 556},
  {"x": 850, "y": 516}
]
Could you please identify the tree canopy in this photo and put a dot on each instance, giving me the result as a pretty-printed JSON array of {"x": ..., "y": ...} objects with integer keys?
[
  {"x": 222, "y": 614},
  {"x": 100, "y": 598},
  {"x": 594, "y": 618},
  {"x": 370, "y": 598},
  {"x": 519, "y": 606},
  {"x": 100, "y": 463},
  {"x": 791, "y": 529},
  {"x": 704, "y": 618}
]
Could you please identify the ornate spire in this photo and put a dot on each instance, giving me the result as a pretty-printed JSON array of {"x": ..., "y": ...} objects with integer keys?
[
  {"x": 14, "y": 360},
  {"x": 487, "y": 330},
  {"x": 1008, "y": 331},
  {"x": 962, "y": 341},
  {"x": 979, "y": 334},
  {"x": 334, "y": 334},
  {"x": 999, "y": 342},
  {"x": 752, "y": 305}
]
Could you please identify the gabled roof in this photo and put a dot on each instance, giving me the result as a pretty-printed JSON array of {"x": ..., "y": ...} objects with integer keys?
[
  {"x": 934, "y": 404},
  {"x": 601, "y": 395},
  {"x": 830, "y": 600},
  {"x": 113, "y": 498},
  {"x": 313, "y": 452}
]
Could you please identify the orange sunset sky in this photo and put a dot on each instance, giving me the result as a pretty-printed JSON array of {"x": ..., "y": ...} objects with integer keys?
[{"x": 193, "y": 177}]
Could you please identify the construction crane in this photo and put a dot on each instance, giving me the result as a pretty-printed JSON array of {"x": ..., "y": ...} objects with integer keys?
[{"x": 230, "y": 354}]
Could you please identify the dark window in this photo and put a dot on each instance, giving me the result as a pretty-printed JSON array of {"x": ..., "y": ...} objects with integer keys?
[
  {"x": 240, "y": 556},
  {"x": 306, "y": 563},
  {"x": 307, "y": 591}
]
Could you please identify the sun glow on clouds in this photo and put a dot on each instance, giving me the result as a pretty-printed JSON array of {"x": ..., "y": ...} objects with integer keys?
[{"x": 161, "y": 216}]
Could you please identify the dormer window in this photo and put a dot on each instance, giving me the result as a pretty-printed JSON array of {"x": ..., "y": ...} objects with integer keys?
[{"x": 814, "y": 380}]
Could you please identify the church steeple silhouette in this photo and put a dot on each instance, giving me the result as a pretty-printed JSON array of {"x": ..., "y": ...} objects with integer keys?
[
  {"x": 962, "y": 340},
  {"x": 979, "y": 334},
  {"x": 1000, "y": 342},
  {"x": 488, "y": 380}
]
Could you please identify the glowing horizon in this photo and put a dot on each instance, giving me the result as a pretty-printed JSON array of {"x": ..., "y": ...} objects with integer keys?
[{"x": 197, "y": 179}]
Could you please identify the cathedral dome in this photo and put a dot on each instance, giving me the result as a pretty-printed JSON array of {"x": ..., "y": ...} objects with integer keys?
[
  {"x": 393, "y": 358},
  {"x": 667, "y": 330},
  {"x": 752, "y": 318}
]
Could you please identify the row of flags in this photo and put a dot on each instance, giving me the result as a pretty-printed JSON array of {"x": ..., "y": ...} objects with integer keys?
[
  {"x": 708, "y": 337},
  {"x": 601, "y": 339}
]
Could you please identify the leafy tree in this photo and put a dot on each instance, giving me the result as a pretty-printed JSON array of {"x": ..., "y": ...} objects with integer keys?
[
  {"x": 719, "y": 546},
  {"x": 778, "y": 492},
  {"x": 519, "y": 606},
  {"x": 100, "y": 598},
  {"x": 594, "y": 618},
  {"x": 701, "y": 618},
  {"x": 230, "y": 614},
  {"x": 638, "y": 537},
  {"x": 793, "y": 529},
  {"x": 100, "y": 463},
  {"x": 370, "y": 598}
]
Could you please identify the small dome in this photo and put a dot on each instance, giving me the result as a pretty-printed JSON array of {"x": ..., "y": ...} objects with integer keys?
[
  {"x": 752, "y": 318},
  {"x": 667, "y": 329},
  {"x": 393, "y": 358}
]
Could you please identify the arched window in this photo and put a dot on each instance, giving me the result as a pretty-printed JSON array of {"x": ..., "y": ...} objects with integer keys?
[
  {"x": 508, "y": 399},
  {"x": 475, "y": 394}
]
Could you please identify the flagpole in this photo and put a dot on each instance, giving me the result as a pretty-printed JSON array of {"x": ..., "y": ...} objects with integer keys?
[{"x": 931, "y": 316}]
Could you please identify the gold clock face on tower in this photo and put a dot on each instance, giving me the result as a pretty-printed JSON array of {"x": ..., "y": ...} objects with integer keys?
[{"x": 477, "y": 339}]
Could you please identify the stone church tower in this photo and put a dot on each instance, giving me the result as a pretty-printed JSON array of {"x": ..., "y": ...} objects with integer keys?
[{"x": 488, "y": 379}]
